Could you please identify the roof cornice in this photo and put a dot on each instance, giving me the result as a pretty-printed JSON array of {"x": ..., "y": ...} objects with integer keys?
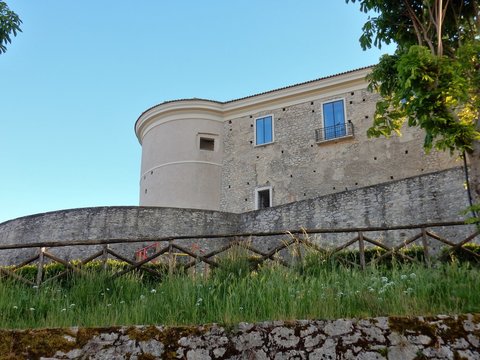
[{"x": 232, "y": 108}]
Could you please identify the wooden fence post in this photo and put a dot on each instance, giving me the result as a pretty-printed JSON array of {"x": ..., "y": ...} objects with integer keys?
[
  {"x": 171, "y": 259},
  {"x": 425, "y": 246},
  {"x": 105, "y": 256},
  {"x": 361, "y": 248},
  {"x": 298, "y": 250},
  {"x": 40, "y": 264}
]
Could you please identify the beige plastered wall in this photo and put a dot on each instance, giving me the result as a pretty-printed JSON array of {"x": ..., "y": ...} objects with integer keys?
[{"x": 175, "y": 172}]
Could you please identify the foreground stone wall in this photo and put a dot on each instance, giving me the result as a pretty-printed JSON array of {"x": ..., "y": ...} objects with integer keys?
[{"x": 440, "y": 337}]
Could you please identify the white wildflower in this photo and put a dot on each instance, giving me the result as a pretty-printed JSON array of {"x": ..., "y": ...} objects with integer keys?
[
  {"x": 403, "y": 277},
  {"x": 32, "y": 309},
  {"x": 413, "y": 276},
  {"x": 153, "y": 291},
  {"x": 15, "y": 307},
  {"x": 384, "y": 279},
  {"x": 64, "y": 309}
]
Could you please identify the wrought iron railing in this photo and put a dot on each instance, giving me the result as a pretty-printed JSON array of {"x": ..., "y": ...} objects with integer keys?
[{"x": 334, "y": 132}]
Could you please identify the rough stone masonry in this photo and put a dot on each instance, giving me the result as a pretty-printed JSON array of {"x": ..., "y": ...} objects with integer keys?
[{"x": 406, "y": 338}]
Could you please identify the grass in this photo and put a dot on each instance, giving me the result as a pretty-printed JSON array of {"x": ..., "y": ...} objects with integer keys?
[{"x": 236, "y": 293}]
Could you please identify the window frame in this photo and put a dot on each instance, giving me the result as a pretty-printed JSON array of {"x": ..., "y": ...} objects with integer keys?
[
  {"x": 345, "y": 121},
  {"x": 257, "y": 197},
  {"x": 207, "y": 139},
  {"x": 255, "y": 130},
  {"x": 208, "y": 136}
]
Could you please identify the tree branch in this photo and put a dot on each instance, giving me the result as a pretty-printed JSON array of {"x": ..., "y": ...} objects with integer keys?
[{"x": 420, "y": 30}]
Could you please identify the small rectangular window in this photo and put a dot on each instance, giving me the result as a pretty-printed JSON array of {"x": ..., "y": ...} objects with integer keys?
[
  {"x": 207, "y": 144},
  {"x": 264, "y": 130},
  {"x": 263, "y": 198}
]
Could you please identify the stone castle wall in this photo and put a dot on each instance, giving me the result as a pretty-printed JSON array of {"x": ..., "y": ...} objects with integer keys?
[
  {"x": 435, "y": 197},
  {"x": 298, "y": 168}
]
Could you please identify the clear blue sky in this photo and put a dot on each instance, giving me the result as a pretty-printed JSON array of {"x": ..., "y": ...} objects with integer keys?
[{"x": 74, "y": 82}]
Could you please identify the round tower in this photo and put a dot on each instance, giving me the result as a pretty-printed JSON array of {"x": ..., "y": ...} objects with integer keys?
[{"x": 182, "y": 149}]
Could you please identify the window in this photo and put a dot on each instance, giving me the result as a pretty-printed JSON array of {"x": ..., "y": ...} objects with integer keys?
[
  {"x": 207, "y": 141},
  {"x": 263, "y": 197},
  {"x": 264, "y": 130},
  {"x": 334, "y": 120},
  {"x": 207, "y": 144}
]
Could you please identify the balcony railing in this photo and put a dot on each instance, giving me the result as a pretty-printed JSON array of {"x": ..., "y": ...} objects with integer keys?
[{"x": 330, "y": 133}]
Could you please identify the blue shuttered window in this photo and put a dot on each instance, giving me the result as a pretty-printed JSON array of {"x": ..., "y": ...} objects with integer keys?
[
  {"x": 263, "y": 130},
  {"x": 334, "y": 119}
]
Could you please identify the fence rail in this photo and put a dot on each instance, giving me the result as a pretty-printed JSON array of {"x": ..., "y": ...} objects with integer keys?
[{"x": 360, "y": 237}]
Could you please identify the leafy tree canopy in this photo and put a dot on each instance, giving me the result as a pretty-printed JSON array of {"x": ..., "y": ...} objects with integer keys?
[
  {"x": 432, "y": 81},
  {"x": 419, "y": 22},
  {"x": 9, "y": 24}
]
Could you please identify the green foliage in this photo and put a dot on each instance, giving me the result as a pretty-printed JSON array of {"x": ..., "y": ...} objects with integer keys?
[
  {"x": 320, "y": 285},
  {"x": 315, "y": 262},
  {"x": 9, "y": 24},
  {"x": 112, "y": 266},
  {"x": 459, "y": 255},
  {"x": 431, "y": 92},
  {"x": 269, "y": 293},
  {"x": 413, "y": 22},
  {"x": 433, "y": 80},
  {"x": 386, "y": 26},
  {"x": 472, "y": 212},
  {"x": 235, "y": 265}
]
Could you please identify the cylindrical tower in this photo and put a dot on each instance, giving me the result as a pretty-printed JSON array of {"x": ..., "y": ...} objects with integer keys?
[{"x": 182, "y": 149}]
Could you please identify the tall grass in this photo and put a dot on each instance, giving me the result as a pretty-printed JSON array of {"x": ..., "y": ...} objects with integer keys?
[{"x": 235, "y": 293}]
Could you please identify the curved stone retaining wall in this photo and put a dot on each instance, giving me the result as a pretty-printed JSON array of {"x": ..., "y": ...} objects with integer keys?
[
  {"x": 109, "y": 223},
  {"x": 440, "y": 337}
]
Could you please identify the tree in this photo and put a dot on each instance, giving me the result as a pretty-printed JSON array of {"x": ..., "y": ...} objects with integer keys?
[
  {"x": 432, "y": 81},
  {"x": 9, "y": 24}
]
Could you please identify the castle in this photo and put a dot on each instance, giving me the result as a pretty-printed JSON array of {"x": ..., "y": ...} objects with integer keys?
[
  {"x": 291, "y": 158},
  {"x": 281, "y": 146}
]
